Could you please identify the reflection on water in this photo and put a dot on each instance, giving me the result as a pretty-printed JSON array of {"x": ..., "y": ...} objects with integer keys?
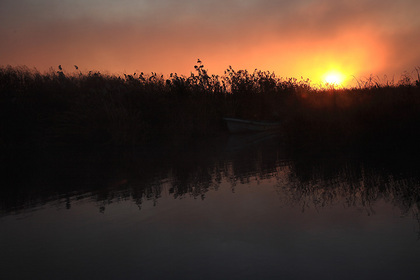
[
  {"x": 305, "y": 177},
  {"x": 234, "y": 207}
]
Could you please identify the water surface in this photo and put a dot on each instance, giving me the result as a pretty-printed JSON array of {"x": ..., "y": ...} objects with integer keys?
[{"x": 238, "y": 207}]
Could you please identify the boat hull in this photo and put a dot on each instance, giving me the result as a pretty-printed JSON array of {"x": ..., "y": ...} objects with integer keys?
[{"x": 239, "y": 125}]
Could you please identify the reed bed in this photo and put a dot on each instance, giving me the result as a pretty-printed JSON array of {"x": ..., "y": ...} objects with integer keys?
[{"x": 75, "y": 108}]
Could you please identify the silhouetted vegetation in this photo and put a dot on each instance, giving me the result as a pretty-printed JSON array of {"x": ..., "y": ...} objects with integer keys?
[{"x": 58, "y": 108}]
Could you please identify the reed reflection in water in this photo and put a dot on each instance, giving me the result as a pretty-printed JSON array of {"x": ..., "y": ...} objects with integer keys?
[{"x": 231, "y": 208}]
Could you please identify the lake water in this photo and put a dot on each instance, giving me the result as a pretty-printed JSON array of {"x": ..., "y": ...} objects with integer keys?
[{"x": 237, "y": 207}]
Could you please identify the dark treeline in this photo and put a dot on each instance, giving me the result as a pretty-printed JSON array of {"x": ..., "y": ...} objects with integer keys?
[{"x": 58, "y": 108}]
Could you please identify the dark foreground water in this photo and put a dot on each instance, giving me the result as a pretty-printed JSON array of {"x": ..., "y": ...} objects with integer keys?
[{"x": 239, "y": 207}]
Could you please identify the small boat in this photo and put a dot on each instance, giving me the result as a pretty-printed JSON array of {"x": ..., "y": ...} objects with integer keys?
[{"x": 239, "y": 125}]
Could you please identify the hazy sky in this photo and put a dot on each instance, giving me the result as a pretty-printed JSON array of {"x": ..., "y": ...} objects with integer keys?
[{"x": 292, "y": 38}]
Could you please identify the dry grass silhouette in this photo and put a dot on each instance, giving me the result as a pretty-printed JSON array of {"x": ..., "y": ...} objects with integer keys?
[{"x": 56, "y": 107}]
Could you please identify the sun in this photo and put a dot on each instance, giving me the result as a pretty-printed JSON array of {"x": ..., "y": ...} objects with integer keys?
[{"x": 335, "y": 78}]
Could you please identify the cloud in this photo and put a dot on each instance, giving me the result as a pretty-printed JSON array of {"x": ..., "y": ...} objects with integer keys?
[{"x": 168, "y": 36}]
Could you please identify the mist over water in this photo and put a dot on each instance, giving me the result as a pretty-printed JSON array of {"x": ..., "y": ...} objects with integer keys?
[{"x": 233, "y": 207}]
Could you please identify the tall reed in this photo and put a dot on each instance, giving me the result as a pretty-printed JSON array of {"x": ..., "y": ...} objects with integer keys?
[{"x": 61, "y": 108}]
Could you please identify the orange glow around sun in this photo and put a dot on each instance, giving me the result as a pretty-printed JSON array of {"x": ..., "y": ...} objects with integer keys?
[{"x": 334, "y": 61}]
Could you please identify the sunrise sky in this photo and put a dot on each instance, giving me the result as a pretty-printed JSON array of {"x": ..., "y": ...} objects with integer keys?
[{"x": 309, "y": 38}]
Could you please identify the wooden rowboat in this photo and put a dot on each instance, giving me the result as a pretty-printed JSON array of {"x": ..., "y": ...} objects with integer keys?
[{"x": 239, "y": 125}]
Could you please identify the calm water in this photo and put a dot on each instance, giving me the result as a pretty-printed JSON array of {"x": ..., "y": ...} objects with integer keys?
[{"x": 244, "y": 207}]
